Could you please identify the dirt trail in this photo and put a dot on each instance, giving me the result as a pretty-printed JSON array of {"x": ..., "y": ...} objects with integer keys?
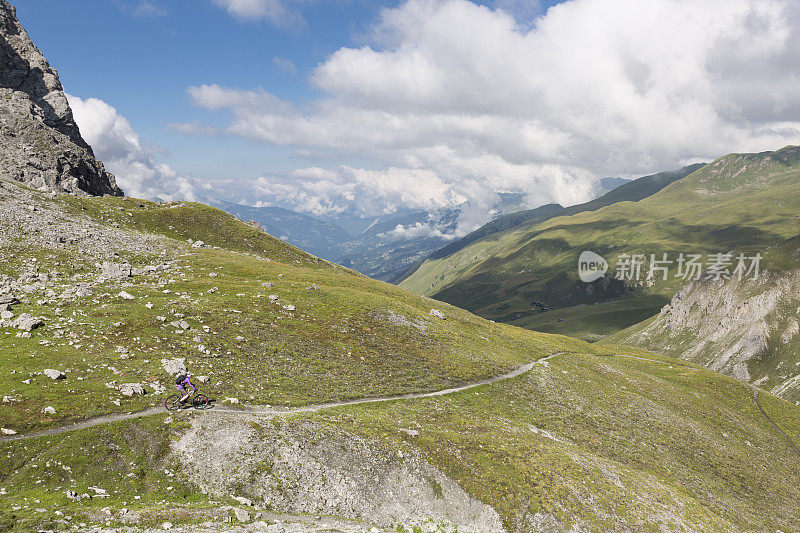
[{"x": 247, "y": 410}]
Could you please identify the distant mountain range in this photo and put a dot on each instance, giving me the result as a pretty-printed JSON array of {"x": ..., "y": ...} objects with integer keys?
[
  {"x": 527, "y": 274},
  {"x": 385, "y": 247}
]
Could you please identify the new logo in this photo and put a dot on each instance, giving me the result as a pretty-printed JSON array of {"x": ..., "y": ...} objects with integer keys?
[{"x": 591, "y": 266}]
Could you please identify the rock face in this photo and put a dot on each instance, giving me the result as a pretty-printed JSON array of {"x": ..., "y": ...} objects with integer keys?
[
  {"x": 40, "y": 144},
  {"x": 747, "y": 329}
]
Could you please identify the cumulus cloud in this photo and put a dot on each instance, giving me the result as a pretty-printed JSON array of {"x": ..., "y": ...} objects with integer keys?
[
  {"x": 133, "y": 162},
  {"x": 416, "y": 231},
  {"x": 454, "y": 101}
]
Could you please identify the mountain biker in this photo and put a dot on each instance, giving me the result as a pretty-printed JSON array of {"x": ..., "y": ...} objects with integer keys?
[{"x": 181, "y": 382}]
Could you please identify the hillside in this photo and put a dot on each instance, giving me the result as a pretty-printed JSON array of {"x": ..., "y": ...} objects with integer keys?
[
  {"x": 118, "y": 287},
  {"x": 625, "y": 191},
  {"x": 305, "y": 329},
  {"x": 528, "y": 275},
  {"x": 744, "y": 328}
]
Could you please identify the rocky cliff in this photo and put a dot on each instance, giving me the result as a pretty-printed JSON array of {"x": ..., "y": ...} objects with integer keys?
[
  {"x": 40, "y": 144},
  {"x": 748, "y": 329}
]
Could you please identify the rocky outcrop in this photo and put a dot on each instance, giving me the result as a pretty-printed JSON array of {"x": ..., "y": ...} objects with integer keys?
[
  {"x": 40, "y": 144},
  {"x": 747, "y": 329}
]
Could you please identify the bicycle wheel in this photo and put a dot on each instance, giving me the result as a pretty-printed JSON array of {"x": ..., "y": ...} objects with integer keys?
[
  {"x": 201, "y": 402},
  {"x": 172, "y": 403}
]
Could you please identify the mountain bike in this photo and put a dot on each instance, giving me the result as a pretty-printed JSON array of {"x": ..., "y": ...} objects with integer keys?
[{"x": 195, "y": 399}]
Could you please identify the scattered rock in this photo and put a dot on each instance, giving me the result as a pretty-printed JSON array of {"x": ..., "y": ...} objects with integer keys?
[
  {"x": 244, "y": 501},
  {"x": 49, "y": 410},
  {"x": 398, "y": 319},
  {"x": 241, "y": 515},
  {"x": 126, "y": 296},
  {"x": 437, "y": 313},
  {"x": 115, "y": 271},
  {"x": 312, "y": 287},
  {"x": 167, "y": 525},
  {"x": 132, "y": 389},
  {"x": 27, "y": 322},
  {"x": 54, "y": 374},
  {"x": 6, "y": 431},
  {"x": 180, "y": 324},
  {"x": 232, "y": 400},
  {"x": 8, "y": 299},
  {"x": 202, "y": 379}
]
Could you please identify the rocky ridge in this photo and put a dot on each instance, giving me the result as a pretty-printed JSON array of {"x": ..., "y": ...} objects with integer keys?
[
  {"x": 40, "y": 144},
  {"x": 747, "y": 329}
]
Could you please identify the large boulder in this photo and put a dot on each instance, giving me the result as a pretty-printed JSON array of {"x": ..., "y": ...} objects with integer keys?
[
  {"x": 27, "y": 322},
  {"x": 54, "y": 374},
  {"x": 174, "y": 366}
]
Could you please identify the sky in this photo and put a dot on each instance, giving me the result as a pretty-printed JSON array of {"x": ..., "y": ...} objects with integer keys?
[{"x": 360, "y": 107}]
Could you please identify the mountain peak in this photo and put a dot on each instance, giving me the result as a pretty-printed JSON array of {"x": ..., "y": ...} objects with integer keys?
[{"x": 40, "y": 143}]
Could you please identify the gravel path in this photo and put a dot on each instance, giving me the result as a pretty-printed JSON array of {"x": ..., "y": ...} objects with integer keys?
[{"x": 279, "y": 411}]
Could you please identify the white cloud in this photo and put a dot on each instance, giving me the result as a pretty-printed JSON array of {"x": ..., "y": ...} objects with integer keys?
[
  {"x": 143, "y": 9},
  {"x": 417, "y": 231},
  {"x": 276, "y": 12},
  {"x": 452, "y": 101},
  {"x": 122, "y": 151},
  {"x": 285, "y": 65}
]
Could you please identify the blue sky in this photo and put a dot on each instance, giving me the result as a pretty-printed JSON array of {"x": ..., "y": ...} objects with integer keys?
[
  {"x": 357, "y": 107},
  {"x": 141, "y": 57}
]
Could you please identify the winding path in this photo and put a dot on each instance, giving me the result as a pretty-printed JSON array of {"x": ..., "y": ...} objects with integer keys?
[
  {"x": 313, "y": 408},
  {"x": 275, "y": 411}
]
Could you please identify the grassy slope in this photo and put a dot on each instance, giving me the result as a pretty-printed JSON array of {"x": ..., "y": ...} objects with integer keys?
[
  {"x": 739, "y": 202},
  {"x": 630, "y": 435},
  {"x": 602, "y": 443},
  {"x": 626, "y": 445},
  {"x": 337, "y": 344}
]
